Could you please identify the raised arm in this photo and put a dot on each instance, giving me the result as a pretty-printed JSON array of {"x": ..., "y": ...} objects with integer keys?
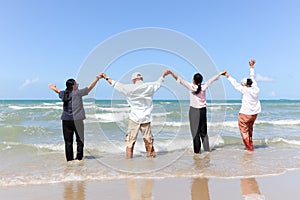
[
  {"x": 53, "y": 87},
  {"x": 234, "y": 83},
  {"x": 251, "y": 64},
  {"x": 166, "y": 72},
  {"x": 156, "y": 85},
  {"x": 213, "y": 79},
  {"x": 174, "y": 75},
  {"x": 93, "y": 84},
  {"x": 109, "y": 80},
  {"x": 122, "y": 88},
  {"x": 181, "y": 81},
  {"x": 161, "y": 79}
]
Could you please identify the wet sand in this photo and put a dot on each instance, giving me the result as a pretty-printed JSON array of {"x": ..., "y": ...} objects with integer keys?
[{"x": 285, "y": 186}]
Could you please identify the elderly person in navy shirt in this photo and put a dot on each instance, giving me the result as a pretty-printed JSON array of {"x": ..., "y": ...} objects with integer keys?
[{"x": 73, "y": 115}]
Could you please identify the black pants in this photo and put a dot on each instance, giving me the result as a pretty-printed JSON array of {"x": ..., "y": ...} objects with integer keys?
[
  {"x": 69, "y": 128},
  {"x": 198, "y": 125}
]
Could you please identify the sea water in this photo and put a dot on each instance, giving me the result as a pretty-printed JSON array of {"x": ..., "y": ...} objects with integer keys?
[{"x": 32, "y": 146}]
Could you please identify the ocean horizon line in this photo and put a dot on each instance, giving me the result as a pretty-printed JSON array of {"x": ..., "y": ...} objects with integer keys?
[{"x": 96, "y": 99}]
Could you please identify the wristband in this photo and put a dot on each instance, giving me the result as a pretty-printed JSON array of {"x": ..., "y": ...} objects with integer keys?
[{"x": 107, "y": 78}]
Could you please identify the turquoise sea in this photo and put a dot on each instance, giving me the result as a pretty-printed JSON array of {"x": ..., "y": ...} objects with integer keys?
[{"x": 32, "y": 147}]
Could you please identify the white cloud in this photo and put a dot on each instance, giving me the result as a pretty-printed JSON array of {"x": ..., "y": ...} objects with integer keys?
[
  {"x": 28, "y": 82},
  {"x": 263, "y": 78}
]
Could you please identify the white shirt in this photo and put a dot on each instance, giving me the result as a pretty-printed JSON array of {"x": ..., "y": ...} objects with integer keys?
[
  {"x": 139, "y": 97},
  {"x": 250, "y": 102},
  {"x": 197, "y": 100}
]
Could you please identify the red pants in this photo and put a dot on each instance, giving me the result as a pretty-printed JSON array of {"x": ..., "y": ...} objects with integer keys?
[{"x": 246, "y": 123}]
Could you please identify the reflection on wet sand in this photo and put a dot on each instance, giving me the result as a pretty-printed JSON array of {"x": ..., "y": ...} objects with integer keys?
[
  {"x": 140, "y": 189},
  {"x": 74, "y": 190},
  {"x": 199, "y": 188},
  {"x": 249, "y": 186}
]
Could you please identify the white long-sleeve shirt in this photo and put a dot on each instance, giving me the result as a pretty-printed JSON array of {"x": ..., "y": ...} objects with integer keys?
[
  {"x": 250, "y": 101},
  {"x": 197, "y": 100},
  {"x": 139, "y": 97}
]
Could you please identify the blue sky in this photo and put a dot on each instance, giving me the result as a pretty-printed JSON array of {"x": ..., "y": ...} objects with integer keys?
[{"x": 48, "y": 41}]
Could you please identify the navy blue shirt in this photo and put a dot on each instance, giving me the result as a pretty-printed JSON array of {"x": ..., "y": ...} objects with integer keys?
[{"x": 74, "y": 109}]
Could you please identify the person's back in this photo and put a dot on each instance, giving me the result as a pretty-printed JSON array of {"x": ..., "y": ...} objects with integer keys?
[
  {"x": 73, "y": 115},
  {"x": 250, "y": 91},
  {"x": 140, "y": 101},
  {"x": 250, "y": 100},
  {"x": 139, "y": 97},
  {"x": 250, "y": 104},
  {"x": 197, "y": 111},
  {"x": 74, "y": 109}
]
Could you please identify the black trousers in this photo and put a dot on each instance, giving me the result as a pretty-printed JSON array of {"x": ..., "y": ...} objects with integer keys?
[
  {"x": 198, "y": 126},
  {"x": 69, "y": 128}
]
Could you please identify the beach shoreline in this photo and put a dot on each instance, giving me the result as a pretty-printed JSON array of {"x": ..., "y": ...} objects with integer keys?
[{"x": 269, "y": 187}]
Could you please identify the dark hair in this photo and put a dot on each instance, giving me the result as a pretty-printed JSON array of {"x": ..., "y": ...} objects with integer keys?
[
  {"x": 198, "y": 80},
  {"x": 69, "y": 84},
  {"x": 249, "y": 82}
]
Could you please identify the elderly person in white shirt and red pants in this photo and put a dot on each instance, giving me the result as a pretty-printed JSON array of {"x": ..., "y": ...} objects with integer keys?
[
  {"x": 250, "y": 105},
  {"x": 139, "y": 96}
]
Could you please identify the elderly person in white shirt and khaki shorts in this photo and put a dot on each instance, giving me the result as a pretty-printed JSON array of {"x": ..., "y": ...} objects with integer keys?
[
  {"x": 250, "y": 105},
  {"x": 139, "y": 96}
]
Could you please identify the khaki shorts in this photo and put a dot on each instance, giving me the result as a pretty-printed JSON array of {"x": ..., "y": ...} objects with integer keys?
[{"x": 133, "y": 130}]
